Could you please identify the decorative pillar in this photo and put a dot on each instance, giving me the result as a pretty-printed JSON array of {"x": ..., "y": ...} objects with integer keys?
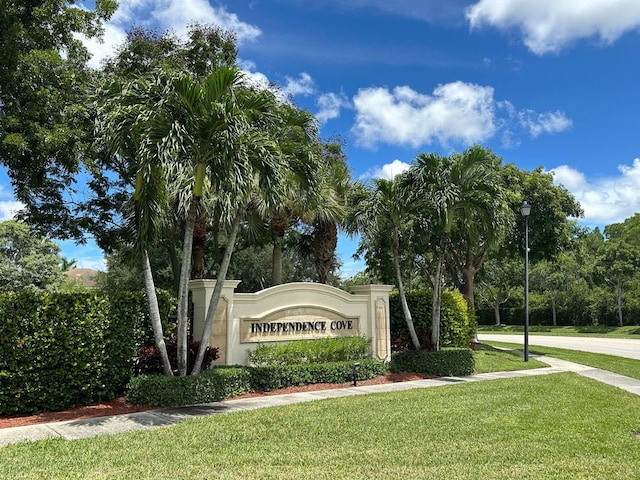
[
  {"x": 202, "y": 291},
  {"x": 379, "y": 321}
]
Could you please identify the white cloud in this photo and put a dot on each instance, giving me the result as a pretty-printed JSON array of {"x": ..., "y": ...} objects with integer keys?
[
  {"x": 455, "y": 111},
  {"x": 9, "y": 208},
  {"x": 549, "y": 122},
  {"x": 256, "y": 79},
  {"x": 104, "y": 47},
  {"x": 605, "y": 200},
  {"x": 389, "y": 170},
  {"x": 330, "y": 105},
  {"x": 174, "y": 15},
  {"x": 548, "y": 26},
  {"x": 303, "y": 85}
]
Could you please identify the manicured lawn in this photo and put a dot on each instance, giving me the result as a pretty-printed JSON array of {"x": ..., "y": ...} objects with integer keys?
[
  {"x": 586, "y": 331},
  {"x": 621, "y": 365},
  {"x": 549, "y": 427},
  {"x": 489, "y": 359}
]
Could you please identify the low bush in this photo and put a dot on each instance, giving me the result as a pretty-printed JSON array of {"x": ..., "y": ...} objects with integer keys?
[
  {"x": 148, "y": 360},
  {"x": 219, "y": 383},
  {"x": 212, "y": 385},
  {"x": 457, "y": 322},
  {"x": 322, "y": 350},
  {"x": 282, "y": 376},
  {"x": 445, "y": 362}
]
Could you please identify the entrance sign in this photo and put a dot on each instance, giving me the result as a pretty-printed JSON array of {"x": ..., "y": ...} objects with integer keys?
[
  {"x": 289, "y": 312},
  {"x": 298, "y": 323}
]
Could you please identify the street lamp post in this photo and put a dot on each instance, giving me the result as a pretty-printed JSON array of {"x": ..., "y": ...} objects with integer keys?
[{"x": 525, "y": 210}]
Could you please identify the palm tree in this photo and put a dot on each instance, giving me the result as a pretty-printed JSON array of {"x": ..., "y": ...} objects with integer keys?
[
  {"x": 209, "y": 128},
  {"x": 253, "y": 180},
  {"x": 296, "y": 134},
  {"x": 204, "y": 134},
  {"x": 458, "y": 194},
  {"x": 383, "y": 208},
  {"x": 328, "y": 210},
  {"x": 120, "y": 131}
]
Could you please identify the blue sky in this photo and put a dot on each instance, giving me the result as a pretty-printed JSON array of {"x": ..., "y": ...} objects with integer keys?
[{"x": 541, "y": 82}]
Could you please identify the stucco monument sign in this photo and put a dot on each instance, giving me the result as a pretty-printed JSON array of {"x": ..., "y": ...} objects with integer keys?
[{"x": 289, "y": 312}]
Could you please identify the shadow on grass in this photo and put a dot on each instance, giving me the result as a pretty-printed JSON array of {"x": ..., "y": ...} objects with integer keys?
[{"x": 596, "y": 329}]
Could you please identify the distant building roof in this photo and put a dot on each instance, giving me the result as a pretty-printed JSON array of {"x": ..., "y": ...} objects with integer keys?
[{"x": 84, "y": 276}]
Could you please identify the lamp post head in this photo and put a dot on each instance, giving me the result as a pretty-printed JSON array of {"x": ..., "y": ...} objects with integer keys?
[{"x": 525, "y": 209}]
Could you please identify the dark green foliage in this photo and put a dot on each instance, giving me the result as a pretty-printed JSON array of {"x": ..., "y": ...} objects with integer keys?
[
  {"x": 282, "y": 376},
  {"x": 148, "y": 360},
  {"x": 324, "y": 350},
  {"x": 446, "y": 362},
  {"x": 212, "y": 385},
  {"x": 457, "y": 323},
  {"x": 218, "y": 383},
  {"x": 59, "y": 350}
]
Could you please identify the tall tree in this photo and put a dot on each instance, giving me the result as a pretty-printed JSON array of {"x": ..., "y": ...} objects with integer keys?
[
  {"x": 498, "y": 279},
  {"x": 620, "y": 258},
  {"x": 329, "y": 208},
  {"x": 43, "y": 119},
  {"x": 296, "y": 134},
  {"x": 121, "y": 122},
  {"x": 459, "y": 194},
  {"x": 27, "y": 261},
  {"x": 481, "y": 228},
  {"x": 382, "y": 209}
]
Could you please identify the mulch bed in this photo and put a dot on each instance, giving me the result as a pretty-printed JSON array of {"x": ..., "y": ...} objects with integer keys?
[{"x": 119, "y": 406}]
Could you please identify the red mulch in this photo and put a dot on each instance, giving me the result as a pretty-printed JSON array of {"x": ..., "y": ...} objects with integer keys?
[{"x": 119, "y": 406}]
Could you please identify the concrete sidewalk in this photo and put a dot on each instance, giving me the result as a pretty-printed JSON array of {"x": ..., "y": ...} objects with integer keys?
[{"x": 76, "y": 429}]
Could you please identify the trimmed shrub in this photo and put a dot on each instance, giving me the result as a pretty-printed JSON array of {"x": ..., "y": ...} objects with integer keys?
[
  {"x": 322, "y": 350},
  {"x": 282, "y": 376},
  {"x": 148, "y": 360},
  {"x": 212, "y": 385},
  {"x": 58, "y": 350},
  {"x": 457, "y": 322},
  {"x": 446, "y": 362},
  {"x": 219, "y": 383}
]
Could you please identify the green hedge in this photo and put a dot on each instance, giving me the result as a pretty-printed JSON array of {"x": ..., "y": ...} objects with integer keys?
[
  {"x": 458, "y": 324},
  {"x": 446, "y": 362},
  {"x": 282, "y": 376},
  {"x": 322, "y": 350},
  {"x": 58, "y": 350},
  {"x": 218, "y": 383},
  {"x": 212, "y": 385}
]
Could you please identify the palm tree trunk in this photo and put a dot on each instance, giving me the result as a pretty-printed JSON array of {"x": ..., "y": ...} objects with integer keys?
[
  {"x": 276, "y": 261},
  {"x": 403, "y": 298},
  {"x": 217, "y": 291},
  {"x": 325, "y": 240},
  {"x": 199, "y": 242},
  {"x": 437, "y": 299},
  {"x": 183, "y": 291},
  {"x": 154, "y": 314},
  {"x": 469, "y": 275}
]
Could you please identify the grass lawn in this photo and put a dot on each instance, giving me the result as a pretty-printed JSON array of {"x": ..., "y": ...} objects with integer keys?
[
  {"x": 632, "y": 331},
  {"x": 489, "y": 359},
  {"x": 621, "y": 365},
  {"x": 549, "y": 427}
]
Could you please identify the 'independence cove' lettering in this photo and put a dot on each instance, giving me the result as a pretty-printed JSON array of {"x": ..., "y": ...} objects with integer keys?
[{"x": 298, "y": 327}]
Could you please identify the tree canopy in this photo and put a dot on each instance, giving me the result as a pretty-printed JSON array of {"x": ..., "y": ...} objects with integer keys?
[{"x": 28, "y": 261}]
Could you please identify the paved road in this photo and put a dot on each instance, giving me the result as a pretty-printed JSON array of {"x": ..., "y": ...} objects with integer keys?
[{"x": 620, "y": 347}]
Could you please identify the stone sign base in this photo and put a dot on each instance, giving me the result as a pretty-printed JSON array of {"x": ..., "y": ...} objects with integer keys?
[{"x": 293, "y": 311}]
